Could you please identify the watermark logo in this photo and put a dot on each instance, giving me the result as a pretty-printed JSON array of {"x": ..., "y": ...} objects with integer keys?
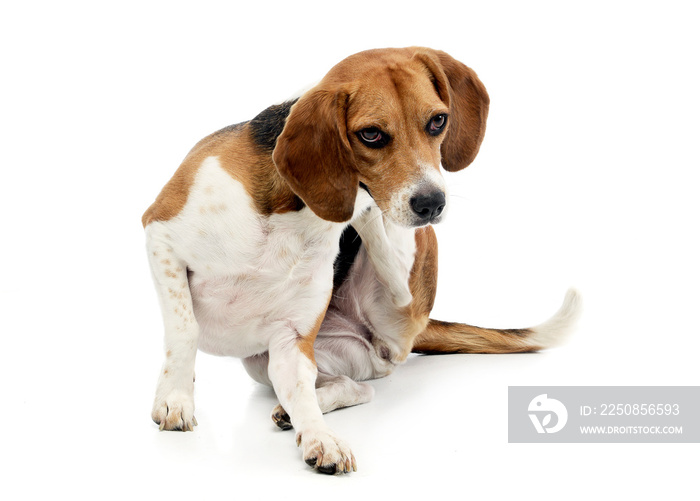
[
  {"x": 542, "y": 409},
  {"x": 603, "y": 414}
]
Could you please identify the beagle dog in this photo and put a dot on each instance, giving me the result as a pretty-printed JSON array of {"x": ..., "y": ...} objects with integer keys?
[{"x": 301, "y": 242}]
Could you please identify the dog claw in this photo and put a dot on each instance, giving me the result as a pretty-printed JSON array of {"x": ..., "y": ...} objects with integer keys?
[
  {"x": 328, "y": 470},
  {"x": 333, "y": 469},
  {"x": 281, "y": 418}
]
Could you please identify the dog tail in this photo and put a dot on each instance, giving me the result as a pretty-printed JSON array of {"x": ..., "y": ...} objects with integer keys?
[{"x": 447, "y": 337}]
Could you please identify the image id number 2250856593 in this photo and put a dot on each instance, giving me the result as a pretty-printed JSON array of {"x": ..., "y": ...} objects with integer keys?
[{"x": 604, "y": 414}]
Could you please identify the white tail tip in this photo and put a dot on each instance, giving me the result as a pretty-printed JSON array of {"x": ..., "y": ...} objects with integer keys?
[{"x": 557, "y": 329}]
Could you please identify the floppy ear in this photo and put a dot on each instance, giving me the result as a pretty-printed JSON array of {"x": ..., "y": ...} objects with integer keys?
[
  {"x": 314, "y": 156},
  {"x": 469, "y": 107}
]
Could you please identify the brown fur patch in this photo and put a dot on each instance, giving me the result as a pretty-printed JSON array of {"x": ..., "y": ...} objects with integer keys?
[
  {"x": 305, "y": 342},
  {"x": 469, "y": 110},
  {"x": 448, "y": 337},
  {"x": 314, "y": 156},
  {"x": 396, "y": 95},
  {"x": 243, "y": 161},
  {"x": 423, "y": 280},
  {"x": 173, "y": 196}
]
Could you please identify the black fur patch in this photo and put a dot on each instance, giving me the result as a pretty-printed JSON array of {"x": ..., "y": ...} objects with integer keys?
[
  {"x": 268, "y": 125},
  {"x": 364, "y": 187},
  {"x": 350, "y": 243}
]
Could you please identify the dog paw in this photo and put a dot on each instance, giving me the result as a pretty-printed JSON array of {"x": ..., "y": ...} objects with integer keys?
[
  {"x": 174, "y": 412},
  {"x": 281, "y": 418},
  {"x": 325, "y": 452}
]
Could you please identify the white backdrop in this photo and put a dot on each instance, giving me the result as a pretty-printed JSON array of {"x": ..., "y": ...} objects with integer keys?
[{"x": 587, "y": 177}]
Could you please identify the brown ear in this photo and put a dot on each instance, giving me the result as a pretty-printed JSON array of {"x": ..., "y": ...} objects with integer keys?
[
  {"x": 469, "y": 107},
  {"x": 314, "y": 156}
]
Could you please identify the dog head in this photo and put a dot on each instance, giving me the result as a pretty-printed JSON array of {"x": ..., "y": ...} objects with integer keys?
[{"x": 384, "y": 120}]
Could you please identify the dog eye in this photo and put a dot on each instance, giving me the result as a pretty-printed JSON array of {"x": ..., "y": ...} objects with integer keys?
[
  {"x": 437, "y": 124},
  {"x": 373, "y": 137}
]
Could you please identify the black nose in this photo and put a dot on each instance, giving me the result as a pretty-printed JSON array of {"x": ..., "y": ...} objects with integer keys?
[{"x": 428, "y": 206}]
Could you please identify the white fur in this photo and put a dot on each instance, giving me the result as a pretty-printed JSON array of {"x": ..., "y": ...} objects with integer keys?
[
  {"x": 393, "y": 267},
  {"x": 556, "y": 330},
  {"x": 430, "y": 179},
  {"x": 173, "y": 406}
]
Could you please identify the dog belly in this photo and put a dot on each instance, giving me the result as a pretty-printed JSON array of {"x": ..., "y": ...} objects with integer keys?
[
  {"x": 240, "y": 323},
  {"x": 239, "y": 314},
  {"x": 226, "y": 325}
]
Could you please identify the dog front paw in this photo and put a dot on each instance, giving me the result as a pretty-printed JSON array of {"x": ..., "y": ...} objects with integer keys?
[
  {"x": 175, "y": 411},
  {"x": 325, "y": 452}
]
